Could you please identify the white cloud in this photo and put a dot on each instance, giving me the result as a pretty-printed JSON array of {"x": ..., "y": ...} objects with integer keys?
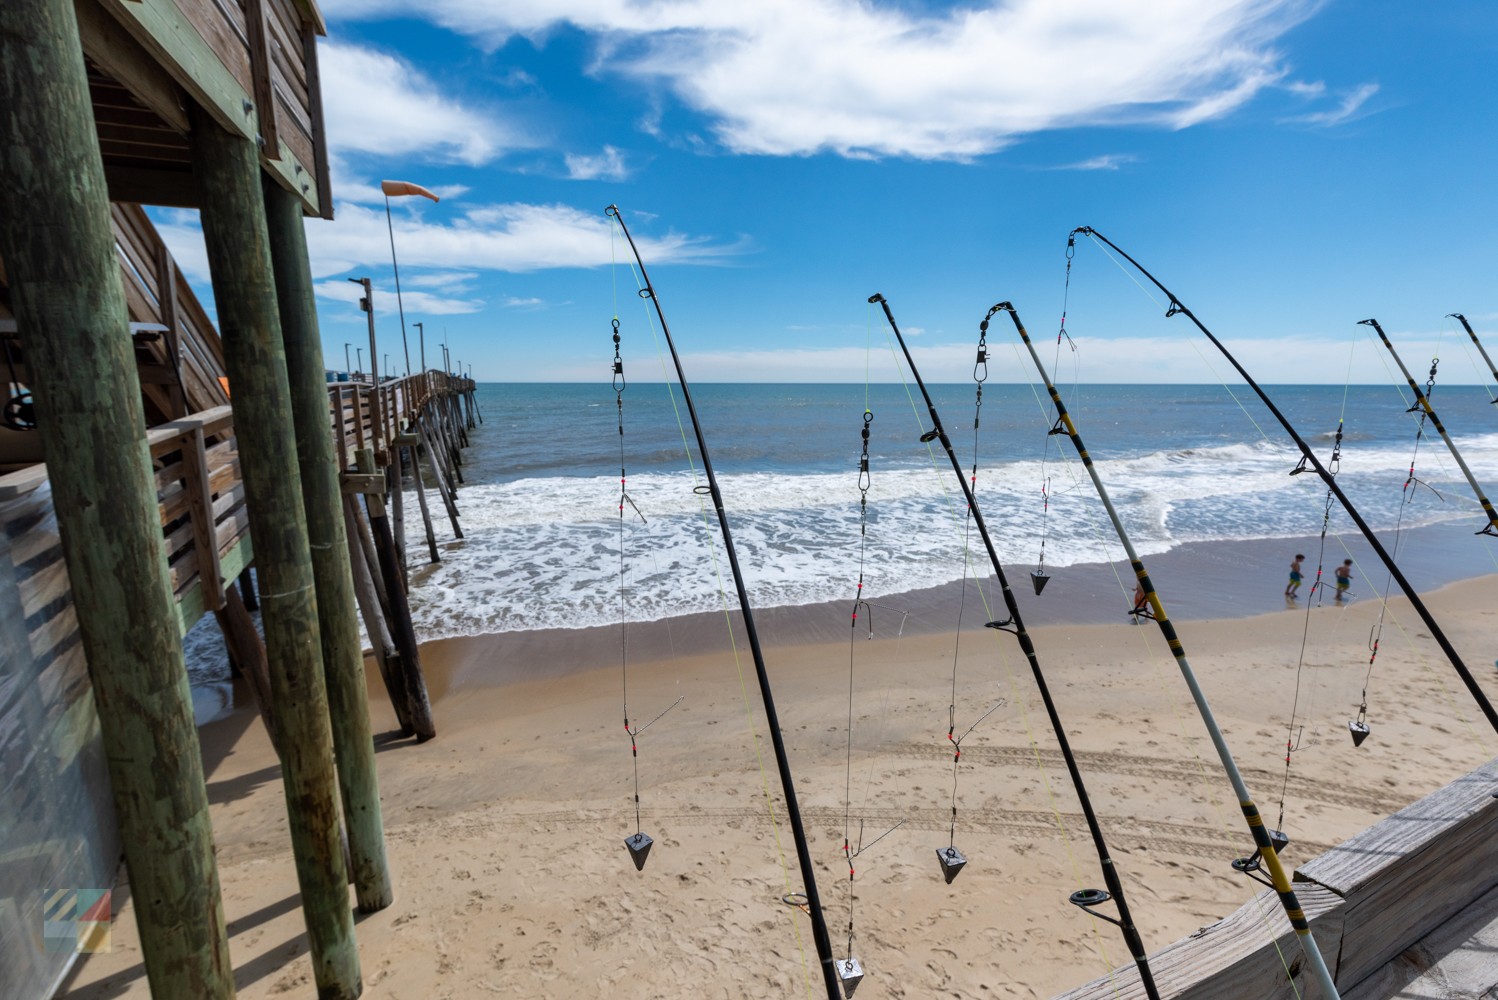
[
  {"x": 789, "y": 77},
  {"x": 513, "y": 237},
  {"x": 386, "y": 303},
  {"x": 1347, "y": 110},
  {"x": 513, "y": 302},
  {"x": 608, "y": 165},
  {"x": 377, "y": 104},
  {"x": 1110, "y": 161}
]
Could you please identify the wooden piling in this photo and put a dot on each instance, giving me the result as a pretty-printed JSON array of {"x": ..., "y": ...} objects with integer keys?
[
  {"x": 247, "y": 590},
  {"x": 435, "y": 462},
  {"x": 342, "y": 653},
  {"x": 421, "y": 499},
  {"x": 385, "y": 654},
  {"x": 226, "y": 172},
  {"x": 70, "y": 312},
  {"x": 248, "y": 651},
  {"x": 401, "y": 628},
  {"x": 395, "y": 475}
]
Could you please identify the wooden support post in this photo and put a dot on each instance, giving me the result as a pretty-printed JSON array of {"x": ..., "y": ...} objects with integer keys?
[
  {"x": 401, "y": 628},
  {"x": 166, "y": 301},
  {"x": 249, "y": 652},
  {"x": 421, "y": 499},
  {"x": 248, "y": 591},
  {"x": 385, "y": 654},
  {"x": 226, "y": 172},
  {"x": 452, "y": 510},
  {"x": 342, "y": 653},
  {"x": 398, "y": 511},
  {"x": 200, "y": 513},
  {"x": 69, "y": 304}
]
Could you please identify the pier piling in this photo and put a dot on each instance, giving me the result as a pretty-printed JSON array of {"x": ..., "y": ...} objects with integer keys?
[
  {"x": 338, "y": 629},
  {"x": 69, "y": 304},
  {"x": 226, "y": 172}
]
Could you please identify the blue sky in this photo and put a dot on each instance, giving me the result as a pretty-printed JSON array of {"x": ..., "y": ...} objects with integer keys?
[{"x": 1288, "y": 168}]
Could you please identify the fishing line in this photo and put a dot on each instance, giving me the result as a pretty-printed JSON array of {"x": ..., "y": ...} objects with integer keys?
[
  {"x": 1293, "y": 737},
  {"x": 1409, "y": 641},
  {"x": 1013, "y": 681},
  {"x": 852, "y": 972},
  {"x": 698, "y": 491}
]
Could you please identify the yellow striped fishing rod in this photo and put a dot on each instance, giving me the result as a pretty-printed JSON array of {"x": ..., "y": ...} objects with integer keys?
[
  {"x": 1477, "y": 344},
  {"x": 1014, "y": 624},
  {"x": 772, "y": 720},
  {"x": 1309, "y": 458},
  {"x": 1268, "y": 842},
  {"x": 1422, "y": 402}
]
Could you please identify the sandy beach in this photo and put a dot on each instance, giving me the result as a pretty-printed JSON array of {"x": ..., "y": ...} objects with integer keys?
[{"x": 505, "y": 835}]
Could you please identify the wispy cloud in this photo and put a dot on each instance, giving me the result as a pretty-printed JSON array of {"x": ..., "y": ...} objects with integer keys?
[
  {"x": 510, "y": 237},
  {"x": 1349, "y": 109},
  {"x": 608, "y": 165},
  {"x": 860, "y": 78},
  {"x": 513, "y": 303},
  {"x": 378, "y": 104},
  {"x": 386, "y": 303},
  {"x": 1110, "y": 161}
]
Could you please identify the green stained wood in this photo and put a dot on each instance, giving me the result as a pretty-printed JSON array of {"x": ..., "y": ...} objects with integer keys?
[
  {"x": 164, "y": 31},
  {"x": 342, "y": 653},
  {"x": 70, "y": 310},
  {"x": 227, "y": 175}
]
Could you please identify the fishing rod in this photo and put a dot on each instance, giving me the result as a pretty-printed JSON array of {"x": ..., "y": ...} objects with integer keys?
[
  {"x": 1309, "y": 457},
  {"x": 1478, "y": 344},
  {"x": 1268, "y": 842},
  {"x": 1422, "y": 402},
  {"x": 1014, "y": 624},
  {"x": 782, "y": 763}
]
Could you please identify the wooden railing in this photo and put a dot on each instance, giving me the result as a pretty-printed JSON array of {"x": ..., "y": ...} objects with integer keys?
[
  {"x": 200, "y": 490},
  {"x": 369, "y": 417}
]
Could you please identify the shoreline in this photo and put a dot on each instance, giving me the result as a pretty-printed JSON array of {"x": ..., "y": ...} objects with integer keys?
[{"x": 1197, "y": 581}]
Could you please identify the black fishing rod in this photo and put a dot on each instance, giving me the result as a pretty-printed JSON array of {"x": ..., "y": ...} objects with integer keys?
[
  {"x": 1267, "y": 843},
  {"x": 1478, "y": 344},
  {"x": 782, "y": 763},
  {"x": 1308, "y": 457},
  {"x": 1014, "y": 624},
  {"x": 1422, "y": 402}
]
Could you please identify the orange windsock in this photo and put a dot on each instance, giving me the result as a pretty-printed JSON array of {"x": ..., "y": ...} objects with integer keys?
[{"x": 397, "y": 188}]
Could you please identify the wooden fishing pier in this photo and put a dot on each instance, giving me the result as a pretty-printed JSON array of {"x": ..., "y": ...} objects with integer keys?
[{"x": 151, "y": 460}]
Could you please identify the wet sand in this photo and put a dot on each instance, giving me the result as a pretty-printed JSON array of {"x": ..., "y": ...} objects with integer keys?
[{"x": 506, "y": 833}]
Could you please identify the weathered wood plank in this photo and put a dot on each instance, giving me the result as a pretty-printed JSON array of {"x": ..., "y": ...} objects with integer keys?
[
  {"x": 1250, "y": 953},
  {"x": 1404, "y": 876}
]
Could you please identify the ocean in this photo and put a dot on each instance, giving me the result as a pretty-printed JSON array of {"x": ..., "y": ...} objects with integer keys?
[{"x": 1185, "y": 465}]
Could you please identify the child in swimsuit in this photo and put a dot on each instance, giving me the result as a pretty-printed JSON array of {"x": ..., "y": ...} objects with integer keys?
[
  {"x": 1295, "y": 577},
  {"x": 1344, "y": 578}
]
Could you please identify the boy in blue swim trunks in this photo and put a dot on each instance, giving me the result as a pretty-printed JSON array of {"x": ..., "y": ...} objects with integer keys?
[
  {"x": 1295, "y": 577},
  {"x": 1344, "y": 578}
]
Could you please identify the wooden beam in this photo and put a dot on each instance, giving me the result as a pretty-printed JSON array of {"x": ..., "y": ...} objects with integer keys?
[
  {"x": 117, "y": 53},
  {"x": 165, "y": 32},
  {"x": 200, "y": 512},
  {"x": 265, "y": 95},
  {"x": 319, "y": 131},
  {"x": 167, "y": 35},
  {"x": 64, "y": 273},
  {"x": 358, "y": 482}
]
